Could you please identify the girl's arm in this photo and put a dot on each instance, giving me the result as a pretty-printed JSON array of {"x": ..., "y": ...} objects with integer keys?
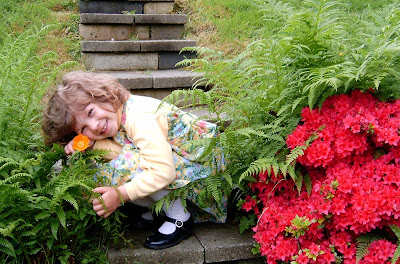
[
  {"x": 107, "y": 144},
  {"x": 149, "y": 134},
  {"x": 111, "y": 199}
]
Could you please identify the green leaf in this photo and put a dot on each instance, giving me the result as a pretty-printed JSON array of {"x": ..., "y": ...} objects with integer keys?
[
  {"x": 396, "y": 230},
  {"x": 246, "y": 222},
  {"x": 396, "y": 254},
  {"x": 55, "y": 224},
  {"x": 70, "y": 199},
  {"x": 7, "y": 247},
  {"x": 61, "y": 216},
  {"x": 299, "y": 181},
  {"x": 307, "y": 182},
  {"x": 364, "y": 241}
]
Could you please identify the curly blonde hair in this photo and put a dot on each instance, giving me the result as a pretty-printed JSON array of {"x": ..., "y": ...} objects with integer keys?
[{"x": 77, "y": 90}]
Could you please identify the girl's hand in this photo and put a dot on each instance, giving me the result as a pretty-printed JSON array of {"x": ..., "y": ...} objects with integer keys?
[
  {"x": 111, "y": 200},
  {"x": 69, "y": 149}
]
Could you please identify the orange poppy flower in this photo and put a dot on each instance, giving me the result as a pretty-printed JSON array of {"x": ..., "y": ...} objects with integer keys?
[{"x": 80, "y": 143}]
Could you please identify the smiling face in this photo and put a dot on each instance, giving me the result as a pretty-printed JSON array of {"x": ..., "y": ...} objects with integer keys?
[{"x": 96, "y": 121}]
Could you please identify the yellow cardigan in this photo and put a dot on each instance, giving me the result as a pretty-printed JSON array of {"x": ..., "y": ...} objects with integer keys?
[{"x": 148, "y": 129}]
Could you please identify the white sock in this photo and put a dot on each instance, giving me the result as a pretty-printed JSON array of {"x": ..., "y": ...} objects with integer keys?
[{"x": 175, "y": 211}]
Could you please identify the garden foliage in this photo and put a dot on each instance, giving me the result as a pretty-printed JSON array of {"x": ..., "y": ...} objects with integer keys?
[
  {"x": 307, "y": 121},
  {"x": 307, "y": 54},
  {"x": 353, "y": 168},
  {"x": 44, "y": 216}
]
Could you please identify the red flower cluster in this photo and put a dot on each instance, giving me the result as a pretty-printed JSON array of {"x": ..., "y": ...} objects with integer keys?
[{"x": 354, "y": 169}]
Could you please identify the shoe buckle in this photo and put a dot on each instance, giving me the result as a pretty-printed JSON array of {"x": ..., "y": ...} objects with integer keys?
[{"x": 178, "y": 223}]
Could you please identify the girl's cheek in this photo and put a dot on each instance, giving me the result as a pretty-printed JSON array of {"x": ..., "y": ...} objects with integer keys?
[{"x": 88, "y": 134}]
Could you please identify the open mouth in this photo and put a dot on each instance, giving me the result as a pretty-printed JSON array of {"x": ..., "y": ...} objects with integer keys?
[{"x": 104, "y": 127}]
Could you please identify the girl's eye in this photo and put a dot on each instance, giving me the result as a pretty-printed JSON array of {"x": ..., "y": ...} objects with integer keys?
[{"x": 90, "y": 112}]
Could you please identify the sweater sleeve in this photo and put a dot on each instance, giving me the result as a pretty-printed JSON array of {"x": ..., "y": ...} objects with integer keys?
[
  {"x": 148, "y": 133},
  {"x": 107, "y": 144}
]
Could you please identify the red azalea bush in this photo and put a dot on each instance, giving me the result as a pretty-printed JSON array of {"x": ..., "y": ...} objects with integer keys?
[{"x": 354, "y": 170}]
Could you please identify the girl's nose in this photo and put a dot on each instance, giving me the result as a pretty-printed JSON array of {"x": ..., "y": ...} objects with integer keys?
[{"x": 93, "y": 125}]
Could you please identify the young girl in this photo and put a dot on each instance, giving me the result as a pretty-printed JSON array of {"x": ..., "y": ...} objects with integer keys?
[{"x": 147, "y": 155}]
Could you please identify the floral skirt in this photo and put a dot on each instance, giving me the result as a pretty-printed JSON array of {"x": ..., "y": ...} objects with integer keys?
[{"x": 183, "y": 130}]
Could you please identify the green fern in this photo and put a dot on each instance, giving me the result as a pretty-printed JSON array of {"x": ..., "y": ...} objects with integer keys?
[
  {"x": 7, "y": 247},
  {"x": 306, "y": 54},
  {"x": 260, "y": 166},
  {"x": 35, "y": 202},
  {"x": 363, "y": 243},
  {"x": 396, "y": 255}
]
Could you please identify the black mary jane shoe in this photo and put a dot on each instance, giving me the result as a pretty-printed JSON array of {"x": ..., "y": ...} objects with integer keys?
[
  {"x": 160, "y": 241},
  {"x": 140, "y": 223}
]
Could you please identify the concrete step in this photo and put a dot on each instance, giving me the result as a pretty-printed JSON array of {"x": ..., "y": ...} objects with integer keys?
[
  {"x": 211, "y": 243},
  {"x": 122, "y": 6},
  {"x": 135, "y": 55},
  {"x": 137, "y": 45},
  {"x": 157, "y": 84},
  {"x": 95, "y": 26}
]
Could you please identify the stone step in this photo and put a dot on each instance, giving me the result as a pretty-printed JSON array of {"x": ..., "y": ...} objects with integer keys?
[
  {"x": 124, "y": 26},
  {"x": 122, "y": 6},
  {"x": 135, "y": 55},
  {"x": 137, "y": 45},
  {"x": 157, "y": 84},
  {"x": 211, "y": 243}
]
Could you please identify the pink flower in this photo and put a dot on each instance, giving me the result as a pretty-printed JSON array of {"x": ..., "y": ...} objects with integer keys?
[
  {"x": 353, "y": 167},
  {"x": 249, "y": 204},
  {"x": 314, "y": 249},
  {"x": 302, "y": 259},
  {"x": 379, "y": 251}
]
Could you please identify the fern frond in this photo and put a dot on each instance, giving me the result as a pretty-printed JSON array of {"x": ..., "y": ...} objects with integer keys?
[
  {"x": 295, "y": 153},
  {"x": 248, "y": 131},
  {"x": 119, "y": 195},
  {"x": 396, "y": 254},
  {"x": 8, "y": 230},
  {"x": 396, "y": 230},
  {"x": 363, "y": 243},
  {"x": 177, "y": 194},
  {"x": 307, "y": 182},
  {"x": 362, "y": 250},
  {"x": 7, "y": 162},
  {"x": 62, "y": 217},
  {"x": 7, "y": 247},
  {"x": 14, "y": 190},
  {"x": 213, "y": 183},
  {"x": 71, "y": 200},
  {"x": 18, "y": 176},
  {"x": 188, "y": 98},
  {"x": 259, "y": 166}
]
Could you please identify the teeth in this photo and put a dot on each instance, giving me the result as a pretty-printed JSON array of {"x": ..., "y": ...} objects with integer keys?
[{"x": 104, "y": 128}]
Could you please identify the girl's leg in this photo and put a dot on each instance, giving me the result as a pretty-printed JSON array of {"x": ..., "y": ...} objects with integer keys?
[
  {"x": 145, "y": 202},
  {"x": 177, "y": 227},
  {"x": 175, "y": 211}
]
